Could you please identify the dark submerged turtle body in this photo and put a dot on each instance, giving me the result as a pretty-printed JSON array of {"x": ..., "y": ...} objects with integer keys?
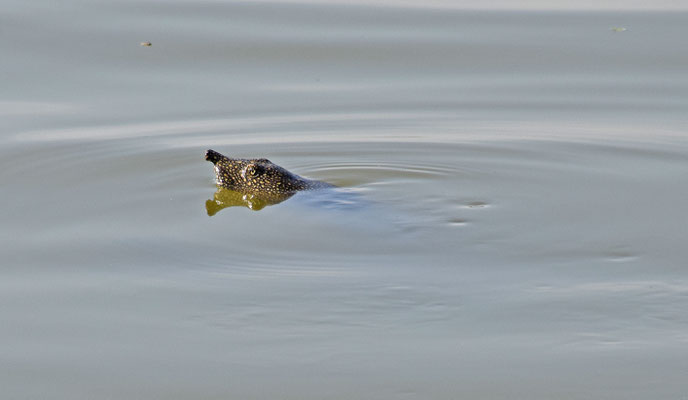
[{"x": 258, "y": 175}]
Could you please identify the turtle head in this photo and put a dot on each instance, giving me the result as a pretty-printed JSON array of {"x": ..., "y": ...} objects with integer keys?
[{"x": 252, "y": 175}]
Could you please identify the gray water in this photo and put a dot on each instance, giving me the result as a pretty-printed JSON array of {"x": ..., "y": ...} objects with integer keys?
[{"x": 518, "y": 228}]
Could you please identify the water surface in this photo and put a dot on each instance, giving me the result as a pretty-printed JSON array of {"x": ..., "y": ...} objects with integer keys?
[{"x": 519, "y": 182}]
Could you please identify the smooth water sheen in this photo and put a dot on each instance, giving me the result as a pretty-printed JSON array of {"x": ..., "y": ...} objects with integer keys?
[{"x": 510, "y": 223}]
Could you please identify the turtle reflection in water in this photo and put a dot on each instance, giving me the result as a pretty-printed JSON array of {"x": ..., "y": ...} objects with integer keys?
[
  {"x": 224, "y": 198},
  {"x": 254, "y": 183}
]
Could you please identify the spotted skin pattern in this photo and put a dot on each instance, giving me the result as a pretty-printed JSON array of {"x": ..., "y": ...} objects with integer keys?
[{"x": 258, "y": 175}]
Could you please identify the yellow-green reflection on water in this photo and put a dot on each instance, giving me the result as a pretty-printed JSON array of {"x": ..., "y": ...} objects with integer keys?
[{"x": 224, "y": 198}]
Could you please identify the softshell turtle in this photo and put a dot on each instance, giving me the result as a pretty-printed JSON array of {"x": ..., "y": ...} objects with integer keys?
[{"x": 254, "y": 183}]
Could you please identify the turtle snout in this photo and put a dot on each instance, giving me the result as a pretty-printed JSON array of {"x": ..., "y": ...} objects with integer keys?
[{"x": 212, "y": 156}]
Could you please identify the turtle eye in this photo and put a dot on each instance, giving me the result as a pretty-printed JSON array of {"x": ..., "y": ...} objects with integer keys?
[{"x": 253, "y": 170}]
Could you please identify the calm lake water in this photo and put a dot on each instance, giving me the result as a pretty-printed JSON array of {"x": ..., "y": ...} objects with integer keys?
[{"x": 515, "y": 227}]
